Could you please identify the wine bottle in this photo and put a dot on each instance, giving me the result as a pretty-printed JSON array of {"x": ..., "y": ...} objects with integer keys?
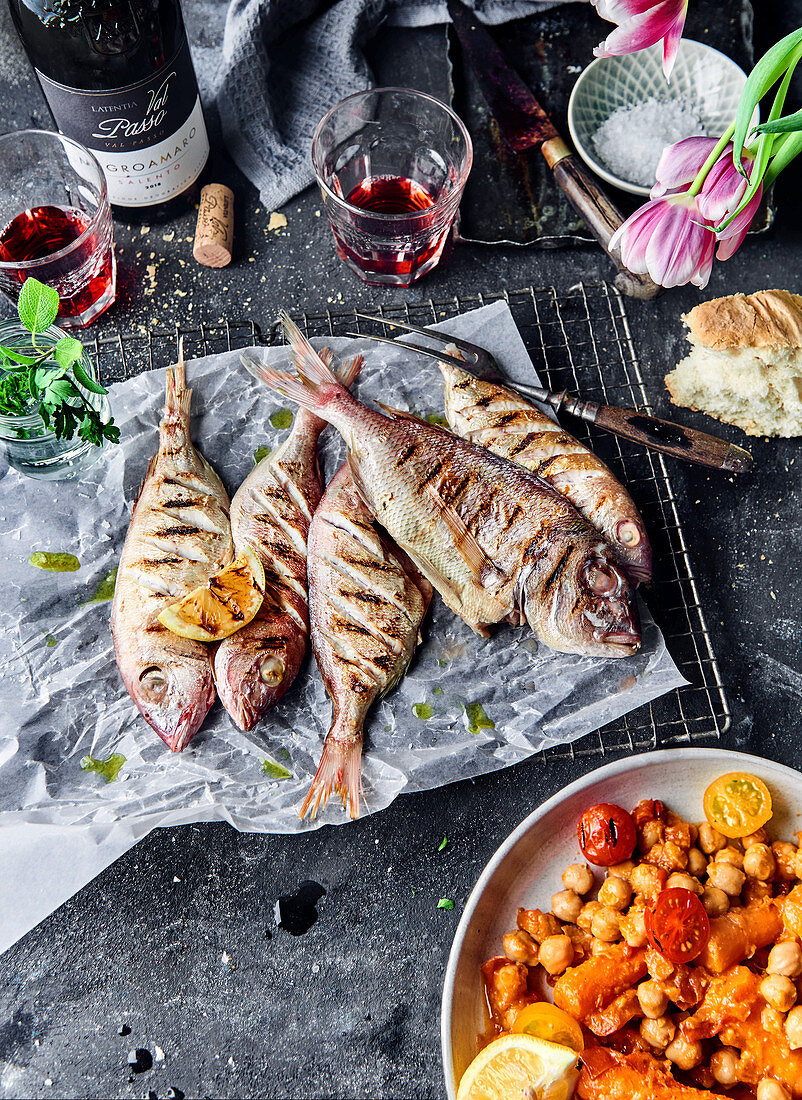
[{"x": 118, "y": 77}]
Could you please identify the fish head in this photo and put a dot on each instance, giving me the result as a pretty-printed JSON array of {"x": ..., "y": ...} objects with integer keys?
[
  {"x": 173, "y": 693},
  {"x": 588, "y": 608},
  {"x": 254, "y": 667}
]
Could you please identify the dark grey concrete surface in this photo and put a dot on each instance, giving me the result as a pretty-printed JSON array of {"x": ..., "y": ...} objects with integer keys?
[{"x": 350, "y": 1009}]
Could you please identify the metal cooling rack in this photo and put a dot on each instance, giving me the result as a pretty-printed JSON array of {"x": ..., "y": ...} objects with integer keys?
[{"x": 580, "y": 341}]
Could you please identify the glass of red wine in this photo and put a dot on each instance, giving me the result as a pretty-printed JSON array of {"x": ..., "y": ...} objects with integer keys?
[
  {"x": 55, "y": 223},
  {"x": 391, "y": 164}
]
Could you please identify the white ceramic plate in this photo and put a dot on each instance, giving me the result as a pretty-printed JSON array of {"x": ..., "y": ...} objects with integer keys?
[
  {"x": 526, "y": 869},
  {"x": 703, "y": 77}
]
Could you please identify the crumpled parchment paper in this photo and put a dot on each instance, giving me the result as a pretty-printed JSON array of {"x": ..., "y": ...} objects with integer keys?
[{"x": 491, "y": 702}]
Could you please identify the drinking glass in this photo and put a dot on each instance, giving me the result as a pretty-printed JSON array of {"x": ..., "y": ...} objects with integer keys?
[
  {"x": 55, "y": 223},
  {"x": 391, "y": 164}
]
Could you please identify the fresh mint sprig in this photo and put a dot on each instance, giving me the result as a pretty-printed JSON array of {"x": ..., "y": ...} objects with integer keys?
[{"x": 51, "y": 375}]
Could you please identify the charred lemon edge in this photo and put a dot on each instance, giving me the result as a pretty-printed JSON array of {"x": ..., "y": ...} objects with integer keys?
[{"x": 188, "y": 626}]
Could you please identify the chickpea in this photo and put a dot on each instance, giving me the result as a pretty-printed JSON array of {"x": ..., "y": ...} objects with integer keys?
[
  {"x": 724, "y": 1064},
  {"x": 578, "y": 877},
  {"x": 684, "y": 882},
  {"x": 731, "y": 855},
  {"x": 658, "y": 1033},
  {"x": 647, "y": 880},
  {"x": 771, "y": 1020},
  {"x": 519, "y": 947},
  {"x": 633, "y": 927},
  {"x": 566, "y": 905},
  {"x": 697, "y": 862},
  {"x": 772, "y": 1090},
  {"x": 710, "y": 840},
  {"x": 758, "y": 837},
  {"x": 538, "y": 925},
  {"x": 556, "y": 954},
  {"x": 715, "y": 901},
  {"x": 786, "y": 959},
  {"x": 793, "y": 1028},
  {"x": 598, "y": 947},
  {"x": 605, "y": 924},
  {"x": 587, "y": 913},
  {"x": 726, "y": 877},
  {"x": 785, "y": 857},
  {"x": 650, "y": 833},
  {"x": 759, "y": 862},
  {"x": 778, "y": 991},
  {"x": 683, "y": 1053},
  {"x": 621, "y": 870},
  {"x": 668, "y": 855},
  {"x": 653, "y": 999},
  {"x": 615, "y": 893}
]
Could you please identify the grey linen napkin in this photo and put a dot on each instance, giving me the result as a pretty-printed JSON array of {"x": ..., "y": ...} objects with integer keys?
[{"x": 286, "y": 62}]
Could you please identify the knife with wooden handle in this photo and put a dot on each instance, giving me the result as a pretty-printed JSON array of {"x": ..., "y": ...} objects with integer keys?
[{"x": 525, "y": 126}]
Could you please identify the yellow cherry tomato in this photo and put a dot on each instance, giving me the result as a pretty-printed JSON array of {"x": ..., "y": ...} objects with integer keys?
[
  {"x": 548, "y": 1022},
  {"x": 737, "y": 804}
]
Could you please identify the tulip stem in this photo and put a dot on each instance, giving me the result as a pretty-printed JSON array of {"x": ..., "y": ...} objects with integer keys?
[{"x": 703, "y": 172}]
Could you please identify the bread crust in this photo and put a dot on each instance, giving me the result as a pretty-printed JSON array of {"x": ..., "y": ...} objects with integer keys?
[{"x": 767, "y": 319}]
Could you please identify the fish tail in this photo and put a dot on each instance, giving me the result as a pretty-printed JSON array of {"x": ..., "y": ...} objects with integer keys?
[
  {"x": 349, "y": 371},
  {"x": 340, "y": 769},
  {"x": 178, "y": 397},
  {"x": 313, "y": 371}
]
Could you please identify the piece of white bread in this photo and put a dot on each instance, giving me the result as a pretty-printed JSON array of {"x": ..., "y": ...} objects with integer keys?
[{"x": 745, "y": 362}]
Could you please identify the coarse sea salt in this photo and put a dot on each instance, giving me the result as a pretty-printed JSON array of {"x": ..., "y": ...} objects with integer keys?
[{"x": 630, "y": 142}]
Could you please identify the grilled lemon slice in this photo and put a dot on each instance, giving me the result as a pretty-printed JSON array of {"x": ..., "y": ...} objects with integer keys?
[
  {"x": 520, "y": 1066},
  {"x": 227, "y": 602}
]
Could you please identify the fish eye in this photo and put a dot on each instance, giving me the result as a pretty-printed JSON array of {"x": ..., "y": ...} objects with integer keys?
[
  {"x": 601, "y": 578},
  {"x": 627, "y": 532},
  {"x": 271, "y": 671},
  {"x": 153, "y": 678}
]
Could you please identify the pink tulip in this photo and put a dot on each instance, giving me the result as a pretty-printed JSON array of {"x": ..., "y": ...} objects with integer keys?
[
  {"x": 668, "y": 239},
  {"x": 641, "y": 23},
  {"x": 721, "y": 192}
]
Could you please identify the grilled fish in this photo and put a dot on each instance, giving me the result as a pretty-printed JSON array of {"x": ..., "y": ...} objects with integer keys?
[
  {"x": 495, "y": 540},
  {"x": 508, "y": 425},
  {"x": 367, "y": 602},
  {"x": 271, "y": 512},
  {"x": 179, "y": 536}
]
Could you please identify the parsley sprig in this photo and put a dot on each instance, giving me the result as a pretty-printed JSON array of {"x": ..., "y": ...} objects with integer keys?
[{"x": 52, "y": 376}]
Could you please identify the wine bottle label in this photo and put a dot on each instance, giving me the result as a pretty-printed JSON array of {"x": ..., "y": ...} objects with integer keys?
[{"x": 149, "y": 137}]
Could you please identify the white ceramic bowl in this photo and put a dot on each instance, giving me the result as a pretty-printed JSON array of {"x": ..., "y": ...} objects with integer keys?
[
  {"x": 526, "y": 869},
  {"x": 702, "y": 77}
]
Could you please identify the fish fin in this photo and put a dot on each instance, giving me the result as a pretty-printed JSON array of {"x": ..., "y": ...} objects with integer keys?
[
  {"x": 483, "y": 568},
  {"x": 340, "y": 769},
  {"x": 148, "y": 472},
  {"x": 450, "y": 595},
  {"x": 312, "y": 370},
  {"x": 349, "y": 371},
  {"x": 398, "y": 414}
]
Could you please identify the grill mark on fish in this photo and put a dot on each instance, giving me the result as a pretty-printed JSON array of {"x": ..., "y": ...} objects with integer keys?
[
  {"x": 406, "y": 454},
  {"x": 433, "y": 472},
  {"x": 174, "y": 532},
  {"x": 558, "y": 570},
  {"x": 527, "y": 441},
  {"x": 183, "y": 504}
]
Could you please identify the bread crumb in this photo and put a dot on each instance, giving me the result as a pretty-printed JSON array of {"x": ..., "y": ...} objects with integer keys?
[{"x": 277, "y": 221}]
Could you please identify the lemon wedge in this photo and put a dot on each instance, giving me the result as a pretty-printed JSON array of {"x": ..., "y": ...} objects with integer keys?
[
  {"x": 520, "y": 1067},
  {"x": 227, "y": 602}
]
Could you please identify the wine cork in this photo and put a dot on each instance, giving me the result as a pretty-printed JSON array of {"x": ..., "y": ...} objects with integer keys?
[{"x": 214, "y": 235}]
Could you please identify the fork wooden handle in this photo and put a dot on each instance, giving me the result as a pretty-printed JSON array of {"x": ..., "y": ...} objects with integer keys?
[
  {"x": 672, "y": 439},
  {"x": 597, "y": 210}
]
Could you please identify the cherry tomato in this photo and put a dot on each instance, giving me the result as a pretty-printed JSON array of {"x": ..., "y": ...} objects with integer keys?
[
  {"x": 549, "y": 1022},
  {"x": 737, "y": 804},
  {"x": 607, "y": 834},
  {"x": 677, "y": 925}
]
